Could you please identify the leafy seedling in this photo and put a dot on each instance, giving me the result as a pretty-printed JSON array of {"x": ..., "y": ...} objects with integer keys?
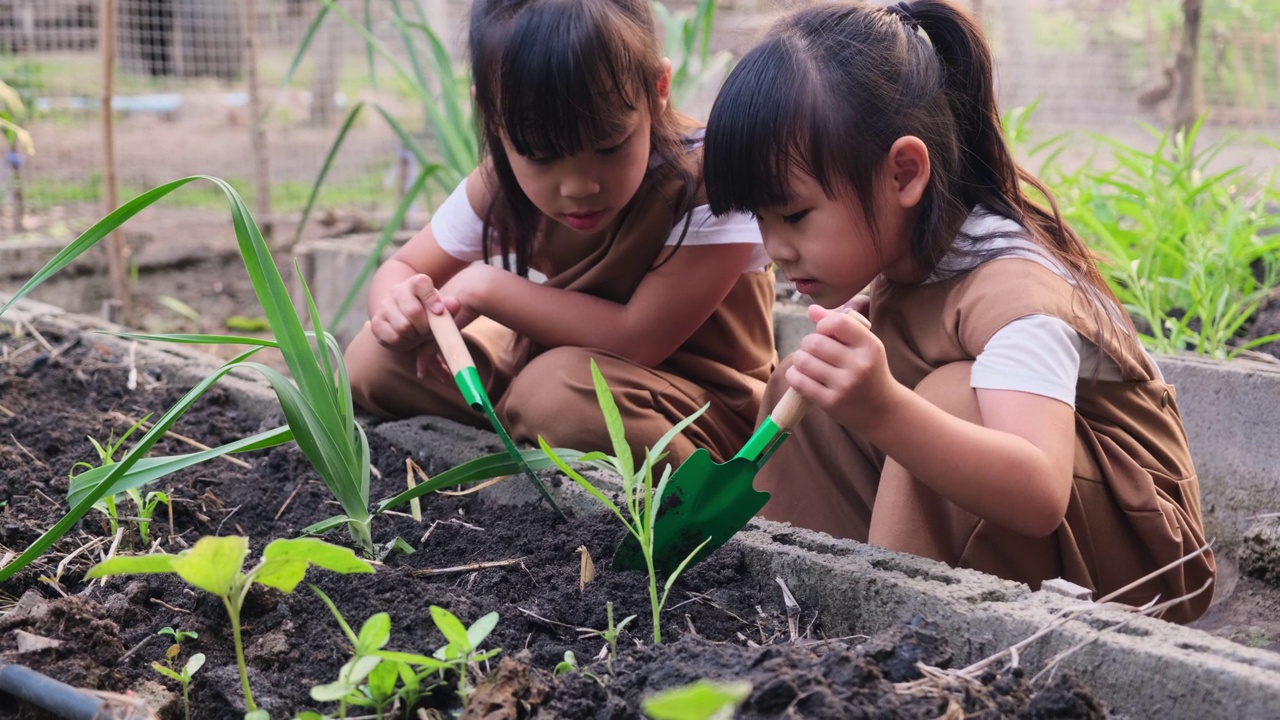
[
  {"x": 216, "y": 565},
  {"x": 641, "y": 497},
  {"x": 183, "y": 676},
  {"x": 460, "y": 654},
  {"x": 367, "y": 680},
  {"x": 107, "y": 457},
  {"x": 699, "y": 700}
]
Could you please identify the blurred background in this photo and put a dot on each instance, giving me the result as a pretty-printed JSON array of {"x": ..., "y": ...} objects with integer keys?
[{"x": 183, "y": 71}]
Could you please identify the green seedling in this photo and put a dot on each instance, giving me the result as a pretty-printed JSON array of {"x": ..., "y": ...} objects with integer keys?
[
  {"x": 179, "y": 636},
  {"x": 106, "y": 457},
  {"x": 699, "y": 700},
  {"x": 611, "y": 633},
  {"x": 460, "y": 654},
  {"x": 189, "y": 668},
  {"x": 367, "y": 680},
  {"x": 146, "y": 509},
  {"x": 641, "y": 497},
  {"x": 570, "y": 665},
  {"x": 216, "y": 565}
]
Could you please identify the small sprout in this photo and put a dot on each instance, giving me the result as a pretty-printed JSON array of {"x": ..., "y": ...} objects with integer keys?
[
  {"x": 700, "y": 700},
  {"x": 179, "y": 636},
  {"x": 194, "y": 663},
  {"x": 568, "y": 665}
]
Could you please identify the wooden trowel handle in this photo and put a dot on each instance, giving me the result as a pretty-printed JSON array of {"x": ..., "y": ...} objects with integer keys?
[
  {"x": 452, "y": 346},
  {"x": 792, "y": 408}
]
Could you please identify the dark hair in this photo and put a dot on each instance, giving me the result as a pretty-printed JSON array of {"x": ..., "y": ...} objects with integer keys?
[
  {"x": 830, "y": 88},
  {"x": 553, "y": 76}
]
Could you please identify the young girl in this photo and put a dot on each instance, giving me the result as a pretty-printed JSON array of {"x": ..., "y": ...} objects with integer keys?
[
  {"x": 593, "y": 180},
  {"x": 999, "y": 413}
]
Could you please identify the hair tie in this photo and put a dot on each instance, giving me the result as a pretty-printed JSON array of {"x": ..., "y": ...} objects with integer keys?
[{"x": 903, "y": 12}]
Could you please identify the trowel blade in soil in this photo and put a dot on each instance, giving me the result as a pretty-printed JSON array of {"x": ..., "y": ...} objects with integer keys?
[{"x": 703, "y": 501}]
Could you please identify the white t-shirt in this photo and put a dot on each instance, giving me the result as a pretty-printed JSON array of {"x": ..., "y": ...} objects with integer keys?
[
  {"x": 459, "y": 230},
  {"x": 1037, "y": 354}
]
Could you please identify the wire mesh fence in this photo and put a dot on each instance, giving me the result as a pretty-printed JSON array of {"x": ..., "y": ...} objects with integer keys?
[{"x": 183, "y": 102}]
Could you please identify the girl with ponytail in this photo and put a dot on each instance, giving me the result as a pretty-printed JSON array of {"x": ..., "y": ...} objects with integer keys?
[{"x": 999, "y": 413}]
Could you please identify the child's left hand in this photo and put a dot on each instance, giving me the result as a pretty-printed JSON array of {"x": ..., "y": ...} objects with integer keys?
[{"x": 841, "y": 367}]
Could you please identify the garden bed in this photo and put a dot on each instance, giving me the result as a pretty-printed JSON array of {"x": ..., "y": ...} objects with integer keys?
[{"x": 723, "y": 621}]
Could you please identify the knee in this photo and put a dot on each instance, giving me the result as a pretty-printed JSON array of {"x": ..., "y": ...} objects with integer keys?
[
  {"x": 554, "y": 383},
  {"x": 367, "y": 365},
  {"x": 948, "y": 388}
]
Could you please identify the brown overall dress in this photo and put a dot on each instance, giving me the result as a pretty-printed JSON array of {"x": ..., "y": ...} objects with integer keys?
[
  {"x": 549, "y": 392},
  {"x": 1135, "y": 501}
]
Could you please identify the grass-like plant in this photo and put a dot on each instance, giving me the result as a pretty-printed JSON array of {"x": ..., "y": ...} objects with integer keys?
[
  {"x": 641, "y": 497},
  {"x": 1183, "y": 245},
  {"x": 216, "y": 565},
  {"x": 107, "y": 456},
  {"x": 316, "y": 402}
]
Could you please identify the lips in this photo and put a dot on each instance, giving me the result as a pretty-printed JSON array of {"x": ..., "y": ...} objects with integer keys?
[{"x": 584, "y": 221}]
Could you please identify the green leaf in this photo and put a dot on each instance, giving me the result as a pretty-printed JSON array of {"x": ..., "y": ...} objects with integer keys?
[
  {"x": 480, "y": 629},
  {"x": 132, "y": 565},
  {"x": 346, "y": 629},
  {"x": 422, "y": 661},
  {"x": 613, "y": 422},
  {"x": 700, "y": 700},
  {"x": 328, "y": 160},
  {"x": 213, "y": 563},
  {"x": 257, "y": 715},
  {"x": 382, "y": 679},
  {"x": 482, "y": 468},
  {"x": 194, "y": 663},
  {"x": 332, "y": 692},
  {"x": 172, "y": 675},
  {"x": 453, "y": 630},
  {"x": 244, "y": 323},
  {"x": 374, "y": 633},
  {"x": 285, "y": 562}
]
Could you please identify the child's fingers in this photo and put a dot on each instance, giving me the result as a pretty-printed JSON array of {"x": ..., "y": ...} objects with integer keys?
[
  {"x": 424, "y": 290},
  {"x": 846, "y": 326},
  {"x": 414, "y": 313}
]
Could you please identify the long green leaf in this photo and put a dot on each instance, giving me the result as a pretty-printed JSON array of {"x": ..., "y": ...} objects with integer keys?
[
  {"x": 148, "y": 470},
  {"x": 328, "y": 163},
  {"x": 302, "y": 50},
  {"x": 482, "y": 468},
  {"x": 375, "y": 255}
]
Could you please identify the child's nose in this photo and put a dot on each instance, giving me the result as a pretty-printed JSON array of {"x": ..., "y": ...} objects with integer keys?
[{"x": 579, "y": 186}]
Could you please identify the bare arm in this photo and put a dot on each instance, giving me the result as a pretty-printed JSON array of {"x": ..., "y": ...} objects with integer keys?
[
  {"x": 667, "y": 307},
  {"x": 1014, "y": 469}
]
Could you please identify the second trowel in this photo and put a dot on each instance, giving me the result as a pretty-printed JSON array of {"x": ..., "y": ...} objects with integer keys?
[{"x": 458, "y": 357}]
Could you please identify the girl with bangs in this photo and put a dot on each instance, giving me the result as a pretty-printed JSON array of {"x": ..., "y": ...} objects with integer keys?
[
  {"x": 591, "y": 179},
  {"x": 999, "y": 413}
]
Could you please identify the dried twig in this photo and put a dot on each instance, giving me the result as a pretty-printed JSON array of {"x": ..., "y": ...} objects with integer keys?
[
  {"x": 25, "y": 450},
  {"x": 793, "y": 609},
  {"x": 972, "y": 672},
  {"x": 36, "y": 334},
  {"x": 167, "y": 606},
  {"x": 175, "y": 436},
  {"x": 469, "y": 568},
  {"x": 289, "y": 499},
  {"x": 473, "y": 489},
  {"x": 133, "y": 650},
  {"x": 7, "y": 412},
  {"x": 415, "y": 505}
]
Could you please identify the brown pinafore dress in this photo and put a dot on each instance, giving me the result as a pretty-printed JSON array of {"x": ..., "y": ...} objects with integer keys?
[{"x": 1135, "y": 500}]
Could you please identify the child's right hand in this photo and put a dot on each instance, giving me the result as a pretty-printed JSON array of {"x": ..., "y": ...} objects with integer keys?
[{"x": 400, "y": 321}]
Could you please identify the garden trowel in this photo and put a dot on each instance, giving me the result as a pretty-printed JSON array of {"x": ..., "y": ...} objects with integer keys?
[
  {"x": 706, "y": 501},
  {"x": 458, "y": 358}
]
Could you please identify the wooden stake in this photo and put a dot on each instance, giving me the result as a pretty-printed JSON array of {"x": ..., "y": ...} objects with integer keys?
[
  {"x": 117, "y": 252},
  {"x": 261, "y": 166}
]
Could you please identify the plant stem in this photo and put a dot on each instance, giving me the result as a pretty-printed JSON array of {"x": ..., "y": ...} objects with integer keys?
[
  {"x": 186, "y": 698},
  {"x": 653, "y": 599},
  {"x": 234, "y": 613}
]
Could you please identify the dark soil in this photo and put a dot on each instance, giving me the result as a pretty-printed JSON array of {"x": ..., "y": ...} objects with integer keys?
[{"x": 717, "y": 625}]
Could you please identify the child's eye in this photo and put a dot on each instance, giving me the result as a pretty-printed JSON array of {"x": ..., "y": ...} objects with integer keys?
[
  {"x": 794, "y": 217},
  {"x": 613, "y": 149},
  {"x": 539, "y": 160}
]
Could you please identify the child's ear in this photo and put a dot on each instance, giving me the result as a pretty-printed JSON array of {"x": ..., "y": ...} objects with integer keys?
[
  {"x": 664, "y": 84},
  {"x": 908, "y": 169}
]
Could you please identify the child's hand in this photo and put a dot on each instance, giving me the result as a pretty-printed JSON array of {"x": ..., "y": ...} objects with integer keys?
[
  {"x": 841, "y": 368},
  {"x": 468, "y": 287},
  {"x": 400, "y": 322}
]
